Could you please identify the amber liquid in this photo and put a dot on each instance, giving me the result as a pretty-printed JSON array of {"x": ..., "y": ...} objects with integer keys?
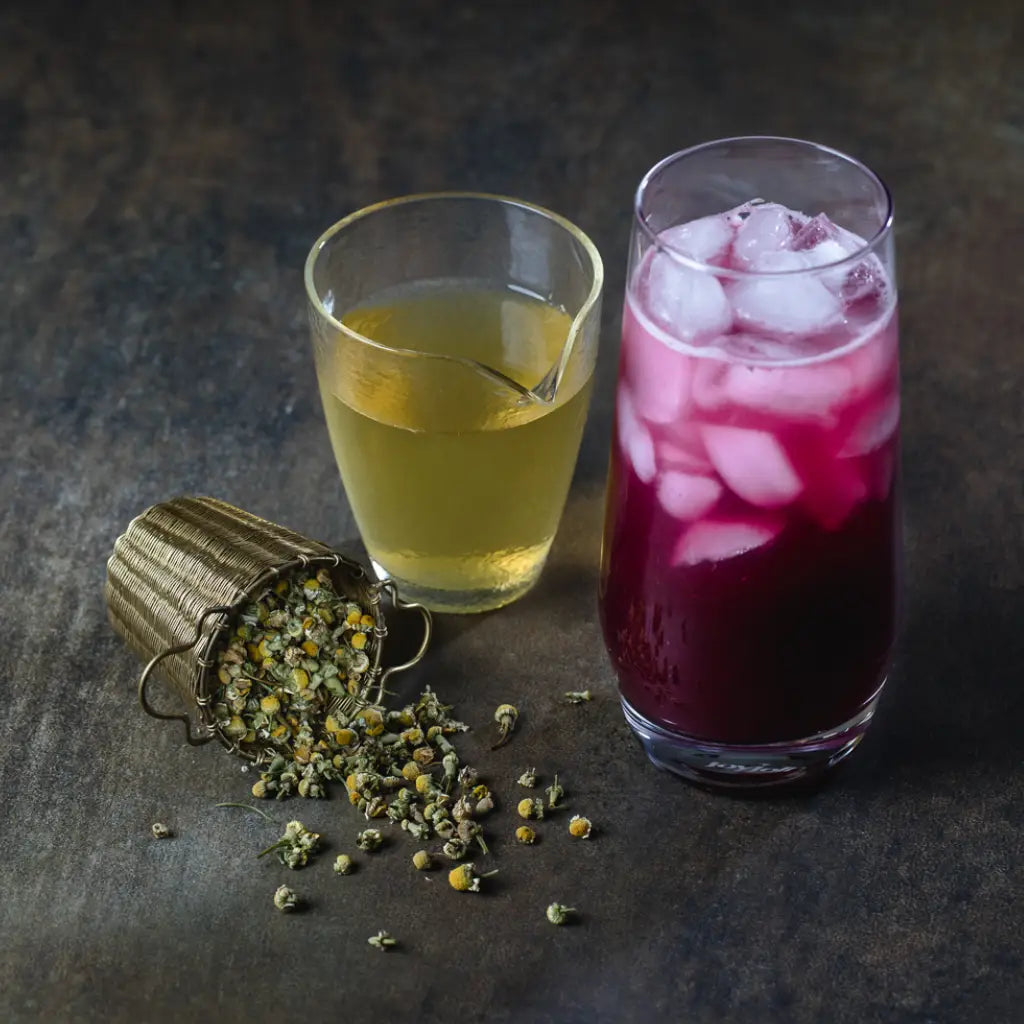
[{"x": 456, "y": 482}]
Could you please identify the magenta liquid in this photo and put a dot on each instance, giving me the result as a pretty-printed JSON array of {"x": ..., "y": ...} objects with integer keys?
[{"x": 749, "y": 569}]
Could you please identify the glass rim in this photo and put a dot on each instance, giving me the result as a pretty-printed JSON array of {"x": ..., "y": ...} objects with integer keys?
[
  {"x": 868, "y": 248},
  {"x": 596, "y": 263}
]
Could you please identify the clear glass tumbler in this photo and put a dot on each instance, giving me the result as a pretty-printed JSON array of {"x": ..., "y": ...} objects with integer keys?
[
  {"x": 455, "y": 337},
  {"x": 750, "y": 565}
]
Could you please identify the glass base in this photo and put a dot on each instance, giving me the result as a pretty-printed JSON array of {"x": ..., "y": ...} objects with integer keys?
[
  {"x": 456, "y": 601},
  {"x": 794, "y": 763}
]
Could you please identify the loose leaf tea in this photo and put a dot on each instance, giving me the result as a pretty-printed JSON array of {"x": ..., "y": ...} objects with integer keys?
[
  {"x": 558, "y": 913},
  {"x": 294, "y": 650},
  {"x": 294, "y": 848},
  {"x": 382, "y": 941},
  {"x": 577, "y": 696},
  {"x": 286, "y": 899},
  {"x": 505, "y": 715}
]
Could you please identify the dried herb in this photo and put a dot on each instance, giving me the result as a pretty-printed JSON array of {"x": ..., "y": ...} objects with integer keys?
[
  {"x": 530, "y": 808},
  {"x": 286, "y": 899},
  {"x": 247, "y": 807},
  {"x": 369, "y": 840},
  {"x": 382, "y": 941},
  {"x": 555, "y": 794},
  {"x": 558, "y": 913},
  {"x": 464, "y": 878},
  {"x": 580, "y": 827},
  {"x": 295, "y": 650},
  {"x": 577, "y": 696},
  {"x": 294, "y": 848},
  {"x": 505, "y": 715}
]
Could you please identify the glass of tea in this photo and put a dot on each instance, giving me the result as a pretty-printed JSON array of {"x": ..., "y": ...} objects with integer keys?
[
  {"x": 750, "y": 568},
  {"x": 455, "y": 337}
]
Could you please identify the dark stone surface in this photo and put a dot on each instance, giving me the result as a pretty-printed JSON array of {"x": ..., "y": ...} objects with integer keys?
[{"x": 163, "y": 169}]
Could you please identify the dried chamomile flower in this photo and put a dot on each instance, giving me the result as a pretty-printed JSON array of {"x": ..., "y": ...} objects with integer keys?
[
  {"x": 286, "y": 899},
  {"x": 295, "y": 846},
  {"x": 555, "y": 794},
  {"x": 160, "y": 830},
  {"x": 463, "y": 878},
  {"x": 580, "y": 827},
  {"x": 290, "y": 655},
  {"x": 382, "y": 941},
  {"x": 530, "y": 808},
  {"x": 450, "y": 764},
  {"x": 558, "y": 913},
  {"x": 369, "y": 840},
  {"x": 343, "y": 864},
  {"x": 456, "y": 848},
  {"x": 528, "y": 778},
  {"x": 422, "y": 861},
  {"x": 468, "y": 830},
  {"x": 577, "y": 696},
  {"x": 505, "y": 715},
  {"x": 526, "y": 835}
]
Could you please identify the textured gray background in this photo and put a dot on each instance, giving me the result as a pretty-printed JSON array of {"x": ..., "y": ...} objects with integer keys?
[{"x": 163, "y": 169}]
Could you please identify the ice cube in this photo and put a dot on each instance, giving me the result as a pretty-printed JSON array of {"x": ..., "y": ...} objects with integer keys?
[
  {"x": 690, "y": 304},
  {"x": 686, "y": 496},
  {"x": 873, "y": 427},
  {"x": 785, "y": 304},
  {"x": 834, "y": 488},
  {"x": 634, "y": 437},
  {"x": 709, "y": 382},
  {"x": 680, "y": 447},
  {"x": 658, "y": 375},
  {"x": 775, "y": 261},
  {"x": 873, "y": 364},
  {"x": 802, "y": 394},
  {"x": 753, "y": 464},
  {"x": 813, "y": 232},
  {"x": 865, "y": 282},
  {"x": 742, "y": 347},
  {"x": 706, "y": 240},
  {"x": 718, "y": 538},
  {"x": 766, "y": 229}
]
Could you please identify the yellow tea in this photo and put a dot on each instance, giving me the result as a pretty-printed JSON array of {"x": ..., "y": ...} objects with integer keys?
[{"x": 457, "y": 483}]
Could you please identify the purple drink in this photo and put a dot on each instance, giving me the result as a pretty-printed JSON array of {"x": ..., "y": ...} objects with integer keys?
[{"x": 749, "y": 570}]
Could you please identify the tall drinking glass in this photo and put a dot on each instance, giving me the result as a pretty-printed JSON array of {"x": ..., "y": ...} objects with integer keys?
[
  {"x": 750, "y": 566},
  {"x": 455, "y": 337}
]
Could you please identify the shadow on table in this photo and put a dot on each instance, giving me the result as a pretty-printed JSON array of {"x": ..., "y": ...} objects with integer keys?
[{"x": 955, "y": 700}]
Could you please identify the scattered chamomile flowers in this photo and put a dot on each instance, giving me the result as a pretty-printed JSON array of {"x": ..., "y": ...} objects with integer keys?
[
  {"x": 530, "y": 808},
  {"x": 286, "y": 899},
  {"x": 464, "y": 878},
  {"x": 505, "y": 715},
  {"x": 580, "y": 827},
  {"x": 559, "y": 913},
  {"x": 295, "y": 847},
  {"x": 383, "y": 941}
]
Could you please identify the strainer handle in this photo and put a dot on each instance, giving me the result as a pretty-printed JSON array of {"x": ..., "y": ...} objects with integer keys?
[
  {"x": 195, "y": 741},
  {"x": 428, "y": 625}
]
